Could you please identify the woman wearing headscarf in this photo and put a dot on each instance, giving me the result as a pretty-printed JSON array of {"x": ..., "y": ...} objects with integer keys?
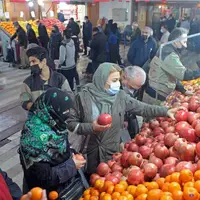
[
  {"x": 103, "y": 95},
  {"x": 54, "y": 43},
  {"x": 32, "y": 39},
  {"x": 45, "y": 153}
]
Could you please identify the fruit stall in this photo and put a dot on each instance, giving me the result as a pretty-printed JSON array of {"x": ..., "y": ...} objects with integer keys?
[
  {"x": 161, "y": 163},
  {"x": 7, "y": 30}
]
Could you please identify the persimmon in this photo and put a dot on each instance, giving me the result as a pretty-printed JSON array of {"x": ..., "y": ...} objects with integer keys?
[
  {"x": 152, "y": 185},
  {"x": 190, "y": 193},
  {"x": 119, "y": 188},
  {"x": 177, "y": 195},
  {"x": 197, "y": 186},
  {"x": 53, "y": 195},
  {"x": 141, "y": 189},
  {"x": 185, "y": 176},
  {"x": 36, "y": 193},
  {"x": 154, "y": 194},
  {"x": 197, "y": 175},
  {"x": 174, "y": 186},
  {"x": 142, "y": 197},
  {"x": 160, "y": 182}
]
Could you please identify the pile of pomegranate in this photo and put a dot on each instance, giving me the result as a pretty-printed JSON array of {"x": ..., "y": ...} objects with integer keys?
[{"x": 162, "y": 147}]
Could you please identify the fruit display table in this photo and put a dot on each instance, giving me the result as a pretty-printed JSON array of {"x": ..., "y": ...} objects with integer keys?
[{"x": 161, "y": 163}]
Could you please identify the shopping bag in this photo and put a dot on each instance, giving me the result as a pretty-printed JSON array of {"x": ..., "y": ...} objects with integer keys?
[{"x": 75, "y": 188}]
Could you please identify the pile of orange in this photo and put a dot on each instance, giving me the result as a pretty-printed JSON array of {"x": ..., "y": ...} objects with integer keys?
[
  {"x": 8, "y": 27},
  {"x": 191, "y": 82},
  {"x": 182, "y": 185}
]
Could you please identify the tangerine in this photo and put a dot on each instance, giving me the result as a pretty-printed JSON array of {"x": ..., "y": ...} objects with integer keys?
[
  {"x": 24, "y": 197},
  {"x": 123, "y": 198},
  {"x": 177, "y": 195},
  {"x": 175, "y": 177},
  {"x": 124, "y": 183},
  {"x": 189, "y": 184},
  {"x": 197, "y": 175},
  {"x": 152, "y": 185},
  {"x": 107, "y": 197},
  {"x": 107, "y": 184},
  {"x": 167, "y": 193},
  {"x": 142, "y": 197},
  {"x": 174, "y": 186},
  {"x": 99, "y": 184},
  {"x": 102, "y": 195},
  {"x": 129, "y": 197},
  {"x": 110, "y": 189},
  {"x": 87, "y": 197},
  {"x": 132, "y": 189},
  {"x": 94, "y": 192},
  {"x": 154, "y": 194},
  {"x": 185, "y": 176},
  {"x": 168, "y": 179},
  {"x": 36, "y": 193},
  {"x": 166, "y": 197},
  {"x": 165, "y": 187},
  {"x": 86, "y": 192},
  {"x": 190, "y": 193},
  {"x": 141, "y": 189},
  {"x": 160, "y": 182},
  {"x": 119, "y": 188},
  {"x": 116, "y": 195},
  {"x": 197, "y": 186},
  {"x": 53, "y": 195},
  {"x": 94, "y": 198}
]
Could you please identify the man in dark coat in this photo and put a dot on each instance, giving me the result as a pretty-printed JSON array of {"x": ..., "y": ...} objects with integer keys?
[
  {"x": 23, "y": 41},
  {"x": 61, "y": 16},
  {"x": 43, "y": 35},
  {"x": 87, "y": 33},
  {"x": 98, "y": 48},
  {"x": 142, "y": 49},
  {"x": 31, "y": 35},
  {"x": 170, "y": 22},
  {"x": 74, "y": 27}
]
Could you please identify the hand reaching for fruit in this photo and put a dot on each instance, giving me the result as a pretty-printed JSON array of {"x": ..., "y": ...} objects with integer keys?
[
  {"x": 35, "y": 194},
  {"x": 103, "y": 123},
  {"x": 78, "y": 160},
  {"x": 99, "y": 128},
  {"x": 171, "y": 112}
]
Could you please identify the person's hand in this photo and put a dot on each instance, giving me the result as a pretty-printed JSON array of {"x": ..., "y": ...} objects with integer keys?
[
  {"x": 44, "y": 196},
  {"x": 99, "y": 128},
  {"x": 79, "y": 163},
  {"x": 189, "y": 93},
  {"x": 171, "y": 112}
]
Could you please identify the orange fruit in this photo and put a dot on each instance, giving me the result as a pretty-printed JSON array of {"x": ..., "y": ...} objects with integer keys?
[
  {"x": 94, "y": 192},
  {"x": 115, "y": 195},
  {"x": 168, "y": 179},
  {"x": 197, "y": 175},
  {"x": 81, "y": 199},
  {"x": 165, "y": 187},
  {"x": 107, "y": 184},
  {"x": 123, "y": 198},
  {"x": 174, "y": 186},
  {"x": 36, "y": 193},
  {"x": 154, "y": 194},
  {"x": 124, "y": 183},
  {"x": 190, "y": 193},
  {"x": 99, "y": 184},
  {"x": 141, "y": 189},
  {"x": 53, "y": 195},
  {"x": 87, "y": 197},
  {"x": 86, "y": 192},
  {"x": 175, "y": 177},
  {"x": 166, "y": 197},
  {"x": 186, "y": 176},
  {"x": 167, "y": 193},
  {"x": 107, "y": 197},
  {"x": 189, "y": 184},
  {"x": 197, "y": 186},
  {"x": 94, "y": 198},
  {"x": 130, "y": 197},
  {"x": 125, "y": 193},
  {"x": 102, "y": 195},
  {"x": 152, "y": 185},
  {"x": 119, "y": 188},
  {"x": 142, "y": 197},
  {"x": 110, "y": 189},
  {"x": 24, "y": 197},
  {"x": 132, "y": 189},
  {"x": 160, "y": 182},
  {"x": 177, "y": 195}
]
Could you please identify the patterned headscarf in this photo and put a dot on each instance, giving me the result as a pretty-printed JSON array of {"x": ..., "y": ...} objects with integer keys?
[{"x": 44, "y": 136}]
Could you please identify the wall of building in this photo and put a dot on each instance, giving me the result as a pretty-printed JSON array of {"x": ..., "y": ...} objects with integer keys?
[{"x": 105, "y": 10}]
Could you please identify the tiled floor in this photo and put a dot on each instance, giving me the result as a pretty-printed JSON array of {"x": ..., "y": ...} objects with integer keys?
[{"x": 11, "y": 114}]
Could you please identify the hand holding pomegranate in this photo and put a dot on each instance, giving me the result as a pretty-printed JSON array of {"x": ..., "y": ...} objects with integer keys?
[
  {"x": 78, "y": 162},
  {"x": 171, "y": 112},
  {"x": 99, "y": 128}
]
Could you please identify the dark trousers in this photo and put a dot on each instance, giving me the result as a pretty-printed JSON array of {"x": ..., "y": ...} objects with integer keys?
[
  {"x": 85, "y": 43},
  {"x": 69, "y": 75}
]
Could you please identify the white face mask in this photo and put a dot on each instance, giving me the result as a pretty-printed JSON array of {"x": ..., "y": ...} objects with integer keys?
[{"x": 114, "y": 88}]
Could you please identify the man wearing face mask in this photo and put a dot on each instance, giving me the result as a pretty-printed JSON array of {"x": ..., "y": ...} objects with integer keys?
[
  {"x": 142, "y": 49},
  {"x": 41, "y": 78},
  {"x": 165, "y": 34},
  {"x": 167, "y": 71}
]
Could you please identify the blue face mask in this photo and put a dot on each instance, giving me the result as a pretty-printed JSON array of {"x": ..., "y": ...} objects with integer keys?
[
  {"x": 114, "y": 88},
  {"x": 161, "y": 31}
]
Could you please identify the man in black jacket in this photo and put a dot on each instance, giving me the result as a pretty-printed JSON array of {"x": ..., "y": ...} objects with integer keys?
[
  {"x": 22, "y": 40},
  {"x": 43, "y": 35},
  {"x": 87, "y": 33},
  {"x": 74, "y": 27}
]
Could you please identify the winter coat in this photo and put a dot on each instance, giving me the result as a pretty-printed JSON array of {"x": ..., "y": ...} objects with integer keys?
[
  {"x": 43, "y": 35},
  {"x": 100, "y": 146},
  {"x": 22, "y": 37},
  {"x": 67, "y": 54},
  {"x": 165, "y": 73},
  {"x": 98, "y": 48},
  {"x": 32, "y": 37},
  {"x": 87, "y": 30},
  {"x": 170, "y": 22},
  {"x": 74, "y": 27},
  {"x": 140, "y": 51},
  {"x": 61, "y": 17},
  {"x": 54, "y": 45}
]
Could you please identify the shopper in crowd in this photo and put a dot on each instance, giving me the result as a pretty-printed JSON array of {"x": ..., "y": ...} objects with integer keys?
[
  {"x": 133, "y": 78},
  {"x": 136, "y": 32},
  {"x": 165, "y": 34},
  {"x": 67, "y": 58},
  {"x": 98, "y": 49},
  {"x": 23, "y": 42},
  {"x": 170, "y": 22},
  {"x": 113, "y": 45},
  {"x": 43, "y": 35},
  {"x": 185, "y": 23},
  {"x": 45, "y": 154},
  {"x": 108, "y": 27},
  {"x": 194, "y": 26},
  {"x": 54, "y": 43},
  {"x": 74, "y": 27},
  {"x": 167, "y": 70},
  {"x": 103, "y": 95},
  {"x": 31, "y": 35},
  {"x": 41, "y": 78},
  {"x": 61, "y": 16},
  {"x": 142, "y": 49},
  {"x": 87, "y": 33}
]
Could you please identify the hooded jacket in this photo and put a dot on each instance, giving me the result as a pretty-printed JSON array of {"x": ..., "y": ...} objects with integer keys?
[{"x": 67, "y": 54}]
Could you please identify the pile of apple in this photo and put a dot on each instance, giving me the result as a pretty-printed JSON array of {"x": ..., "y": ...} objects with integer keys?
[{"x": 162, "y": 147}]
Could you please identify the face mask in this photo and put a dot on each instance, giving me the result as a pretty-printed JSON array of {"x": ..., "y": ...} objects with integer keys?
[
  {"x": 35, "y": 70},
  {"x": 114, "y": 88},
  {"x": 161, "y": 30}
]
